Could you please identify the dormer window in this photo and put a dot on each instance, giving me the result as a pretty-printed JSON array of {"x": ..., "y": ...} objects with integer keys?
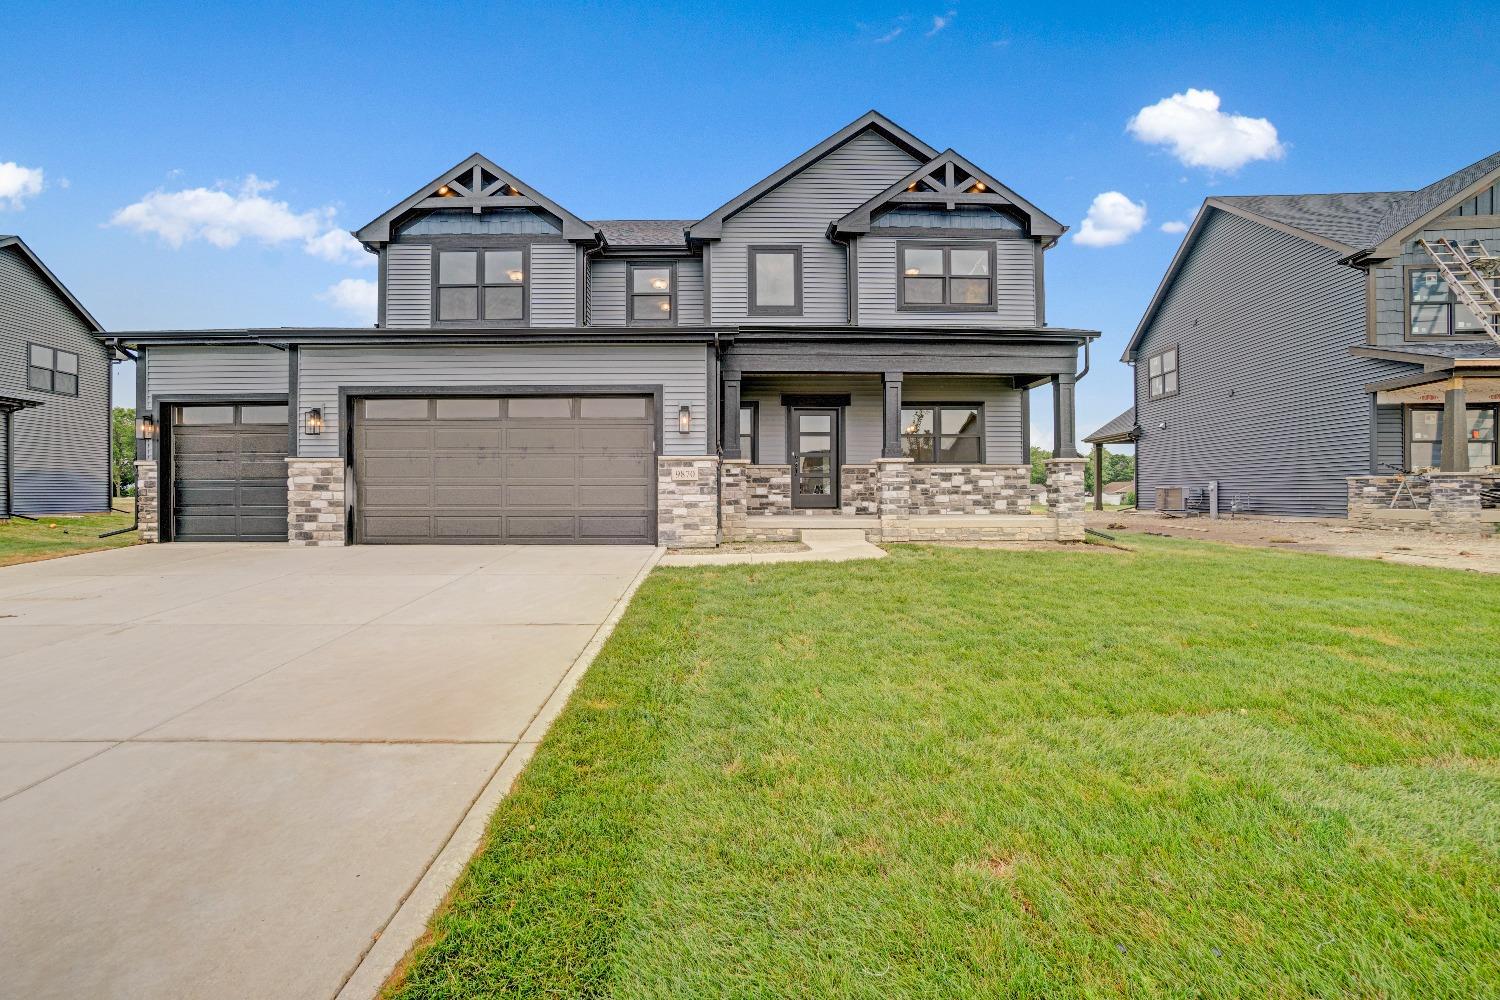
[
  {"x": 481, "y": 286},
  {"x": 653, "y": 294}
]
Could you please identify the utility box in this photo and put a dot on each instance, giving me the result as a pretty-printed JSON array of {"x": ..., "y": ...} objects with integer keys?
[{"x": 1169, "y": 499}]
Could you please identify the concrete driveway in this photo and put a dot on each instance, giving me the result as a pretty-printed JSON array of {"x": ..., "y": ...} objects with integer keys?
[{"x": 224, "y": 768}]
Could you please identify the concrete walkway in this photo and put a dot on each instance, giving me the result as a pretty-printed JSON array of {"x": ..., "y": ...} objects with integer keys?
[
  {"x": 227, "y": 770},
  {"x": 823, "y": 545}
]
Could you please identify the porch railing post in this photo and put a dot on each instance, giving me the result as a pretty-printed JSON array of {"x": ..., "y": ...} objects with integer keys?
[
  {"x": 729, "y": 421},
  {"x": 1064, "y": 444},
  {"x": 1455, "y": 451},
  {"x": 890, "y": 446}
]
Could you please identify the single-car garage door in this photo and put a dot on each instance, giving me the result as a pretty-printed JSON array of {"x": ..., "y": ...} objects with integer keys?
[
  {"x": 523, "y": 469},
  {"x": 229, "y": 473}
]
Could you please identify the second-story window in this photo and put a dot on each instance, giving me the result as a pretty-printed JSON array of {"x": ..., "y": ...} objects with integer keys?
[
  {"x": 954, "y": 277},
  {"x": 1162, "y": 374},
  {"x": 51, "y": 370},
  {"x": 481, "y": 285},
  {"x": 1433, "y": 309},
  {"x": 775, "y": 281},
  {"x": 653, "y": 294}
]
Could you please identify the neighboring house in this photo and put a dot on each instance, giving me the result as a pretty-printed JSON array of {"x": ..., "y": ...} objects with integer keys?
[
  {"x": 855, "y": 334},
  {"x": 54, "y": 393},
  {"x": 1297, "y": 341},
  {"x": 1117, "y": 492}
]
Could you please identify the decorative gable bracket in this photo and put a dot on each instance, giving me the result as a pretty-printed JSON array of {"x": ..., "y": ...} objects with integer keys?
[
  {"x": 475, "y": 184},
  {"x": 949, "y": 181}
]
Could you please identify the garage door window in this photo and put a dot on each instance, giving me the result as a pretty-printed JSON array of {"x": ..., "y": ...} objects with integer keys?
[
  {"x": 396, "y": 409},
  {"x": 198, "y": 415},
  {"x": 468, "y": 409},
  {"x": 541, "y": 408},
  {"x": 612, "y": 408}
]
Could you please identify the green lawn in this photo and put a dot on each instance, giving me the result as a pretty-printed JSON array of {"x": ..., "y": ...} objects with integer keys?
[
  {"x": 61, "y": 535},
  {"x": 1185, "y": 771}
]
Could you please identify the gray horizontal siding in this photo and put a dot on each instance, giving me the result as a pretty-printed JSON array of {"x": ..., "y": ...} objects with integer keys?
[
  {"x": 1015, "y": 287},
  {"x": 1390, "y": 281},
  {"x": 408, "y": 285},
  {"x": 607, "y": 292},
  {"x": 61, "y": 459},
  {"x": 1271, "y": 403},
  {"x": 554, "y": 284},
  {"x": 679, "y": 369},
  {"x": 798, "y": 213},
  {"x": 1390, "y": 438},
  {"x": 226, "y": 371},
  {"x": 1004, "y": 441}
]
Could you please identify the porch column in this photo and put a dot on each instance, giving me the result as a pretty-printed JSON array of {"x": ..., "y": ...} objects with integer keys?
[
  {"x": 1455, "y": 453},
  {"x": 890, "y": 446},
  {"x": 1098, "y": 477},
  {"x": 729, "y": 420},
  {"x": 1064, "y": 444}
]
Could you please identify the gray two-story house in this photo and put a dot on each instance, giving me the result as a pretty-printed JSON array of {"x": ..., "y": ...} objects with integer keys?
[
  {"x": 54, "y": 393},
  {"x": 850, "y": 341},
  {"x": 1305, "y": 352}
]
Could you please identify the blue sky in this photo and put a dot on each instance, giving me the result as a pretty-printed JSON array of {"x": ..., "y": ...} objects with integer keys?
[{"x": 667, "y": 110}]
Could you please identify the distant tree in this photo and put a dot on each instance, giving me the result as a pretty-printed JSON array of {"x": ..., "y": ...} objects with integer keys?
[
  {"x": 122, "y": 438},
  {"x": 1118, "y": 468},
  {"x": 1038, "y": 469}
]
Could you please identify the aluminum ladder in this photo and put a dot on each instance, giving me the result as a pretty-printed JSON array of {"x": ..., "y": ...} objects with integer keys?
[{"x": 1471, "y": 279}]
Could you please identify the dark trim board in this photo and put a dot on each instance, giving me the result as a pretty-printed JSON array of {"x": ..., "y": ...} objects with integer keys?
[{"x": 815, "y": 399}]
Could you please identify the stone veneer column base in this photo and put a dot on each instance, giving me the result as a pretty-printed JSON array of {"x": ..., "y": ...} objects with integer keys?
[
  {"x": 1066, "y": 499},
  {"x": 893, "y": 490},
  {"x": 147, "y": 501},
  {"x": 1455, "y": 503},
  {"x": 315, "y": 511},
  {"x": 687, "y": 501},
  {"x": 734, "y": 498}
]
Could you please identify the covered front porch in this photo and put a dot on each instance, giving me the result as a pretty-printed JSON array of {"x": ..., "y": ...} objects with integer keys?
[
  {"x": 1434, "y": 458},
  {"x": 937, "y": 453}
]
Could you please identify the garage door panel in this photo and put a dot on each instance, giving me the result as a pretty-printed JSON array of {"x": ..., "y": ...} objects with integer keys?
[
  {"x": 462, "y": 437},
  {"x": 387, "y": 469},
  {"x": 377, "y": 438},
  {"x": 541, "y": 495},
  {"x": 474, "y": 470},
  {"x": 624, "y": 528},
  {"x": 613, "y": 495},
  {"x": 629, "y": 439},
  {"x": 467, "y": 526},
  {"x": 228, "y": 479},
  {"x": 542, "y": 438},
  {"x": 467, "y": 467},
  {"x": 626, "y": 467}
]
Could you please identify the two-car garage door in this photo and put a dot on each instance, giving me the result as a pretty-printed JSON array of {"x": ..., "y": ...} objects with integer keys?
[{"x": 523, "y": 469}]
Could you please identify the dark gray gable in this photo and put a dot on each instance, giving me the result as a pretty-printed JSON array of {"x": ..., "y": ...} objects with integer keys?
[
  {"x": 465, "y": 186},
  {"x": 51, "y": 279},
  {"x": 712, "y": 225},
  {"x": 949, "y": 180}
]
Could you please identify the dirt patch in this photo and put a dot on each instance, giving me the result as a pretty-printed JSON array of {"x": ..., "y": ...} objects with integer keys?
[
  {"x": 1327, "y": 536},
  {"x": 746, "y": 547}
]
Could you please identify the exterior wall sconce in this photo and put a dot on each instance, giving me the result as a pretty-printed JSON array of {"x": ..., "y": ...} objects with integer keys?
[
  {"x": 145, "y": 427},
  {"x": 312, "y": 422},
  {"x": 684, "y": 420}
]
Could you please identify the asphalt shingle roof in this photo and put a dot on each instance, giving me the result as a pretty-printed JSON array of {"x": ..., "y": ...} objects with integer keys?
[
  {"x": 1474, "y": 349},
  {"x": 1114, "y": 431},
  {"x": 1350, "y": 219},
  {"x": 1420, "y": 203},
  {"x": 644, "y": 232}
]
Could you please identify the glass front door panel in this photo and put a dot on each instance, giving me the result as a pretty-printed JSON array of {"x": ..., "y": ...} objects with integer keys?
[{"x": 814, "y": 458}]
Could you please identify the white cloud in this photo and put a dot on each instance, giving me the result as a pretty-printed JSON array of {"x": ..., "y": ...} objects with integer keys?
[
  {"x": 1200, "y": 135},
  {"x": 941, "y": 21},
  {"x": 355, "y": 296},
  {"x": 1112, "y": 219},
  {"x": 1174, "y": 226},
  {"x": 223, "y": 217},
  {"x": 17, "y": 183},
  {"x": 889, "y": 36}
]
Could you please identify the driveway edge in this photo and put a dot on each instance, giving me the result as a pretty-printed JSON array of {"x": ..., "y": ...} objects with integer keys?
[{"x": 407, "y": 925}]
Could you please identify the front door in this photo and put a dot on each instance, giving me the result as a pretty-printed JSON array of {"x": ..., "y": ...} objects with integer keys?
[{"x": 815, "y": 457}]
